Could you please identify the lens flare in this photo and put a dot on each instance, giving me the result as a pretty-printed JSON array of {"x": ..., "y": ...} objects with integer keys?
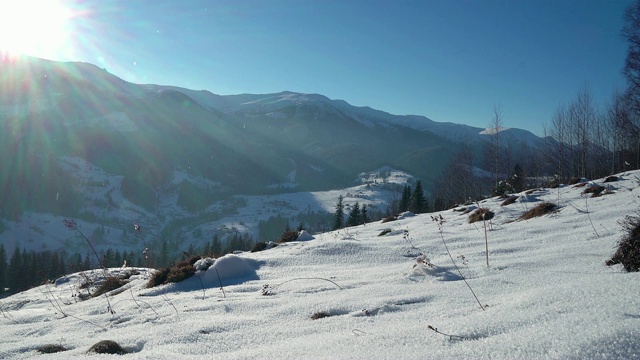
[{"x": 34, "y": 27}]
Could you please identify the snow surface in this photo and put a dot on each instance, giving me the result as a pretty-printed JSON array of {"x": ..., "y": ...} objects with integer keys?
[{"x": 546, "y": 294}]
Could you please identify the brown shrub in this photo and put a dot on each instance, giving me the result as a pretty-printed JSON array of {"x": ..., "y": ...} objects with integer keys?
[
  {"x": 109, "y": 283},
  {"x": 178, "y": 274},
  {"x": 541, "y": 209},
  {"x": 580, "y": 185},
  {"x": 388, "y": 218},
  {"x": 261, "y": 246},
  {"x": 288, "y": 236},
  {"x": 595, "y": 191},
  {"x": 107, "y": 347},
  {"x": 480, "y": 215},
  {"x": 319, "y": 315},
  {"x": 574, "y": 180},
  {"x": 181, "y": 271},
  {"x": 611, "y": 179},
  {"x": 510, "y": 200},
  {"x": 50, "y": 349},
  {"x": 628, "y": 253},
  {"x": 159, "y": 277}
]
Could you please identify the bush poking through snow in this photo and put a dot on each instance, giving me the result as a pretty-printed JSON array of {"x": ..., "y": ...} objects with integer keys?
[
  {"x": 180, "y": 271},
  {"x": 51, "y": 349},
  {"x": 510, "y": 200},
  {"x": 595, "y": 191},
  {"x": 319, "y": 315},
  {"x": 574, "y": 180},
  {"x": 288, "y": 236},
  {"x": 628, "y": 253},
  {"x": 384, "y": 232},
  {"x": 110, "y": 283},
  {"x": 107, "y": 347},
  {"x": 480, "y": 215},
  {"x": 388, "y": 219},
  {"x": 539, "y": 210},
  {"x": 611, "y": 179},
  {"x": 159, "y": 277}
]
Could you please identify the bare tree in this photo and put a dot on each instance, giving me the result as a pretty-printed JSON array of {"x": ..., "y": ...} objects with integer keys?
[
  {"x": 494, "y": 150},
  {"x": 631, "y": 33}
]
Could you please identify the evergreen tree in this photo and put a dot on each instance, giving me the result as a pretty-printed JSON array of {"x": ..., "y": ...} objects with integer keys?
[
  {"x": 14, "y": 272},
  {"x": 86, "y": 263},
  {"x": 405, "y": 200},
  {"x": 338, "y": 216},
  {"x": 3, "y": 268},
  {"x": 216, "y": 246},
  {"x": 108, "y": 259},
  {"x": 517, "y": 179},
  {"x": 354, "y": 215},
  {"x": 364, "y": 216},
  {"x": 117, "y": 258},
  {"x": 418, "y": 201},
  {"x": 163, "y": 259}
]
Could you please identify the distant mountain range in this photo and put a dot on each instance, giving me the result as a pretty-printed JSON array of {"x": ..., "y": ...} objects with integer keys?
[{"x": 195, "y": 147}]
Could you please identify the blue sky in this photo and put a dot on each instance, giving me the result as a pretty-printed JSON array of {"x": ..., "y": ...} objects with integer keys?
[{"x": 447, "y": 60}]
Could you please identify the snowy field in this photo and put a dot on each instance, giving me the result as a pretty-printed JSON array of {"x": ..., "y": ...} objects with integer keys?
[{"x": 545, "y": 294}]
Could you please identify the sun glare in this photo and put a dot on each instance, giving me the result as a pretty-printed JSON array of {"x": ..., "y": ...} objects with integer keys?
[{"x": 33, "y": 27}]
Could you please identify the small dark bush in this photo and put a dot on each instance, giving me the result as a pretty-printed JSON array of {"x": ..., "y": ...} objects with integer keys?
[
  {"x": 319, "y": 315},
  {"x": 182, "y": 270},
  {"x": 541, "y": 209},
  {"x": 510, "y": 200},
  {"x": 107, "y": 347},
  {"x": 574, "y": 180},
  {"x": 51, "y": 349},
  {"x": 628, "y": 253},
  {"x": 261, "y": 246},
  {"x": 480, "y": 215},
  {"x": 288, "y": 236},
  {"x": 384, "y": 232},
  {"x": 595, "y": 191},
  {"x": 109, "y": 283},
  {"x": 611, "y": 179},
  {"x": 159, "y": 277},
  {"x": 580, "y": 185},
  {"x": 388, "y": 219},
  {"x": 178, "y": 274}
]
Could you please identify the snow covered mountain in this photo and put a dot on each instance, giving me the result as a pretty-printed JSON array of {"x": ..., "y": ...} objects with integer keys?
[{"x": 79, "y": 142}]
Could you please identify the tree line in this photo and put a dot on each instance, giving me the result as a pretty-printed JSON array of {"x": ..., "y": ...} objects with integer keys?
[{"x": 582, "y": 139}]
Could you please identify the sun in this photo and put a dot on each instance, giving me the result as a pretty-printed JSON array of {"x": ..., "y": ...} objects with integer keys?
[{"x": 33, "y": 27}]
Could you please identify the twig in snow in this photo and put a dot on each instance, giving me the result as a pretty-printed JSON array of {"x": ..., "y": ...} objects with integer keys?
[
  {"x": 451, "y": 337},
  {"x": 440, "y": 221}
]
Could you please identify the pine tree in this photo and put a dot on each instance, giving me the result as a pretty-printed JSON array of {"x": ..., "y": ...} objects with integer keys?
[
  {"x": 418, "y": 201},
  {"x": 15, "y": 275},
  {"x": 3, "y": 268},
  {"x": 405, "y": 200},
  {"x": 517, "y": 179},
  {"x": 354, "y": 215},
  {"x": 216, "y": 246},
  {"x": 338, "y": 216},
  {"x": 364, "y": 216},
  {"x": 117, "y": 258}
]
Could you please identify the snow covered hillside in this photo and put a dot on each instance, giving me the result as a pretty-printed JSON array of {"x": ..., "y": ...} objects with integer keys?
[{"x": 358, "y": 294}]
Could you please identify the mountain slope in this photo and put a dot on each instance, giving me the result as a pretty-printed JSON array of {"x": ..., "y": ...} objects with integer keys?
[{"x": 372, "y": 296}]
